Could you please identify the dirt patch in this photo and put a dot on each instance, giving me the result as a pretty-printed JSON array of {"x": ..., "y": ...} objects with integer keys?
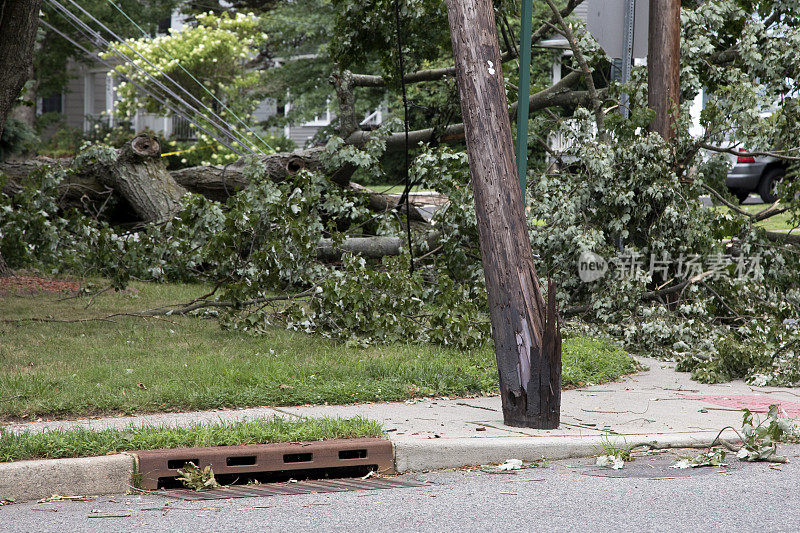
[{"x": 22, "y": 285}]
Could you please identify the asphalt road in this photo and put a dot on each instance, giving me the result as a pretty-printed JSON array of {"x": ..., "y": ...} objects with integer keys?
[{"x": 571, "y": 495}]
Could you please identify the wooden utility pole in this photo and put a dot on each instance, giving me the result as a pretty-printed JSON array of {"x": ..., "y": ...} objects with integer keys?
[
  {"x": 664, "y": 64},
  {"x": 527, "y": 342}
]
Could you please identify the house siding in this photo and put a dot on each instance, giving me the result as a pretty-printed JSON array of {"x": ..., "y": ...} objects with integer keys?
[
  {"x": 73, "y": 101},
  {"x": 581, "y": 11}
]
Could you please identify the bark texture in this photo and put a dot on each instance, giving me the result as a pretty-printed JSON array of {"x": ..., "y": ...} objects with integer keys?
[
  {"x": 663, "y": 65},
  {"x": 18, "y": 22},
  {"x": 527, "y": 344},
  {"x": 141, "y": 177},
  {"x": 4, "y": 270}
]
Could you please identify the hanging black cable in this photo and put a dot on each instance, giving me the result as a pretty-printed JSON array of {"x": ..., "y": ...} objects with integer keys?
[{"x": 407, "y": 189}]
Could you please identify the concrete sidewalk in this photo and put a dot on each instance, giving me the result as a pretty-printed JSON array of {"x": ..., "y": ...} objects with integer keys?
[{"x": 658, "y": 406}]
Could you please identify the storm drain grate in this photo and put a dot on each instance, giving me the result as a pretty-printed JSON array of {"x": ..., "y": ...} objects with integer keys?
[
  {"x": 270, "y": 462},
  {"x": 299, "y": 487}
]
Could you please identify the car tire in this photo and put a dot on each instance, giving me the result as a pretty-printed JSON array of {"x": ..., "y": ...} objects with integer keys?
[
  {"x": 742, "y": 195},
  {"x": 770, "y": 179}
]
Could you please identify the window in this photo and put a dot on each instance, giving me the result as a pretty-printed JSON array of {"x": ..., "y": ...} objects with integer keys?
[
  {"x": 52, "y": 104},
  {"x": 164, "y": 25}
]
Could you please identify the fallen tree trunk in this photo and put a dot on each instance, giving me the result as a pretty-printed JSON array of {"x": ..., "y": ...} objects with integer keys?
[
  {"x": 219, "y": 183},
  {"x": 77, "y": 190},
  {"x": 136, "y": 175},
  {"x": 82, "y": 189},
  {"x": 215, "y": 182}
]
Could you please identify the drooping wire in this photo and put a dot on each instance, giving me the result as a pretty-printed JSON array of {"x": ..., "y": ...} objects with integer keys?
[
  {"x": 407, "y": 188},
  {"x": 212, "y": 95},
  {"x": 227, "y": 129},
  {"x": 165, "y": 103},
  {"x": 221, "y": 125},
  {"x": 95, "y": 38}
]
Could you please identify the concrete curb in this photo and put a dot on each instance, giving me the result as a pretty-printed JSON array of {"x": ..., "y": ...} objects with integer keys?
[
  {"x": 34, "y": 480},
  {"x": 414, "y": 455},
  {"x": 113, "y": 474}
]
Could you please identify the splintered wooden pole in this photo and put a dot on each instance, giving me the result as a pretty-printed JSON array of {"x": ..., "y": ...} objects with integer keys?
[
  {"x": 664, "y": 64},
  {"x": 527, "y": 339}
]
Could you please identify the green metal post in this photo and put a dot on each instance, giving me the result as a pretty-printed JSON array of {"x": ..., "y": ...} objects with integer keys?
[{"x": 524, "y": 93}]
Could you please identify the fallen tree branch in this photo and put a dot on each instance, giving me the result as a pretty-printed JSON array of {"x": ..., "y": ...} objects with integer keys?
[
  {"x": 558, "y": 95},
  {"x": 646, "y": 297},
  {"x": 734, "y": 151},
  {"x": 597, "y": 104},
  {"x": 764, "y": 214},
  {"x": 435, "y": 74},
  {"x": 784, "y": 238}
]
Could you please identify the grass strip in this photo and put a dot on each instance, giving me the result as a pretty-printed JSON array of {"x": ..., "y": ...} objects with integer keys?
[
  {"x": 589, "y": 361},
  {"x": 82, "y": 442},
  {"x": 134, "y": 365}
]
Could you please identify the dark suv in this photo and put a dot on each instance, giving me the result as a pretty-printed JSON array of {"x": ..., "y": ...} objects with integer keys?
[{"x": 756, "y": 174}]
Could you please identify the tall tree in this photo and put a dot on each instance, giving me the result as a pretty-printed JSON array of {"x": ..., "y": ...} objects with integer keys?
[{"x": 18, "y": 22}]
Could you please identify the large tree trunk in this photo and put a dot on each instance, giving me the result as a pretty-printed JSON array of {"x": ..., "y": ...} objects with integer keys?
[
  {"x": 527, "y": 343},
  {"x": 4, "y": 270},
  {"x": 18, "y": 22}
]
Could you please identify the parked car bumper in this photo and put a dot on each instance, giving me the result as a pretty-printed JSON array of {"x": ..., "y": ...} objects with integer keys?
[{"x": 745, "y": 176}]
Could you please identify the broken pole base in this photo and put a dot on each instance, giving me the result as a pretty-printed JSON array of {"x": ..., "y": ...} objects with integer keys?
[{"x": 538, "y": 406}]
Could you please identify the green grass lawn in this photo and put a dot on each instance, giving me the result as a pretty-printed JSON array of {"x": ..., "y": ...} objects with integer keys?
[
  {"x": 83, "y": 442},
  {"x": 776, "y": 223},
  {"x": 133, "y": 365}
]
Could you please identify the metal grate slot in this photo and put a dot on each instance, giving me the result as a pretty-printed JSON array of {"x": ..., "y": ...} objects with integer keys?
[
  {"x": 241, "y": 460},
  {"x": 298, "y": 457},
  {"x": 269, "y": 462},
  {"x": 175, "y": 464},
  {"x": 353, "y": 454}
]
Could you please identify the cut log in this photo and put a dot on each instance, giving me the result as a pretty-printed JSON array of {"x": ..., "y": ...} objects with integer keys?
[
  {"x": 141, "y": 177},
  {"x": 368, "y": 247}
]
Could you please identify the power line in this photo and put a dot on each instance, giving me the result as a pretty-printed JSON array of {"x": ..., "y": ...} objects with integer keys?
[
  {"x": 141, "y": 88},
  {"x": 228, "y": 131},
  {"x": 220, "y": 126},
  {"x": 192, "y": 76}
]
